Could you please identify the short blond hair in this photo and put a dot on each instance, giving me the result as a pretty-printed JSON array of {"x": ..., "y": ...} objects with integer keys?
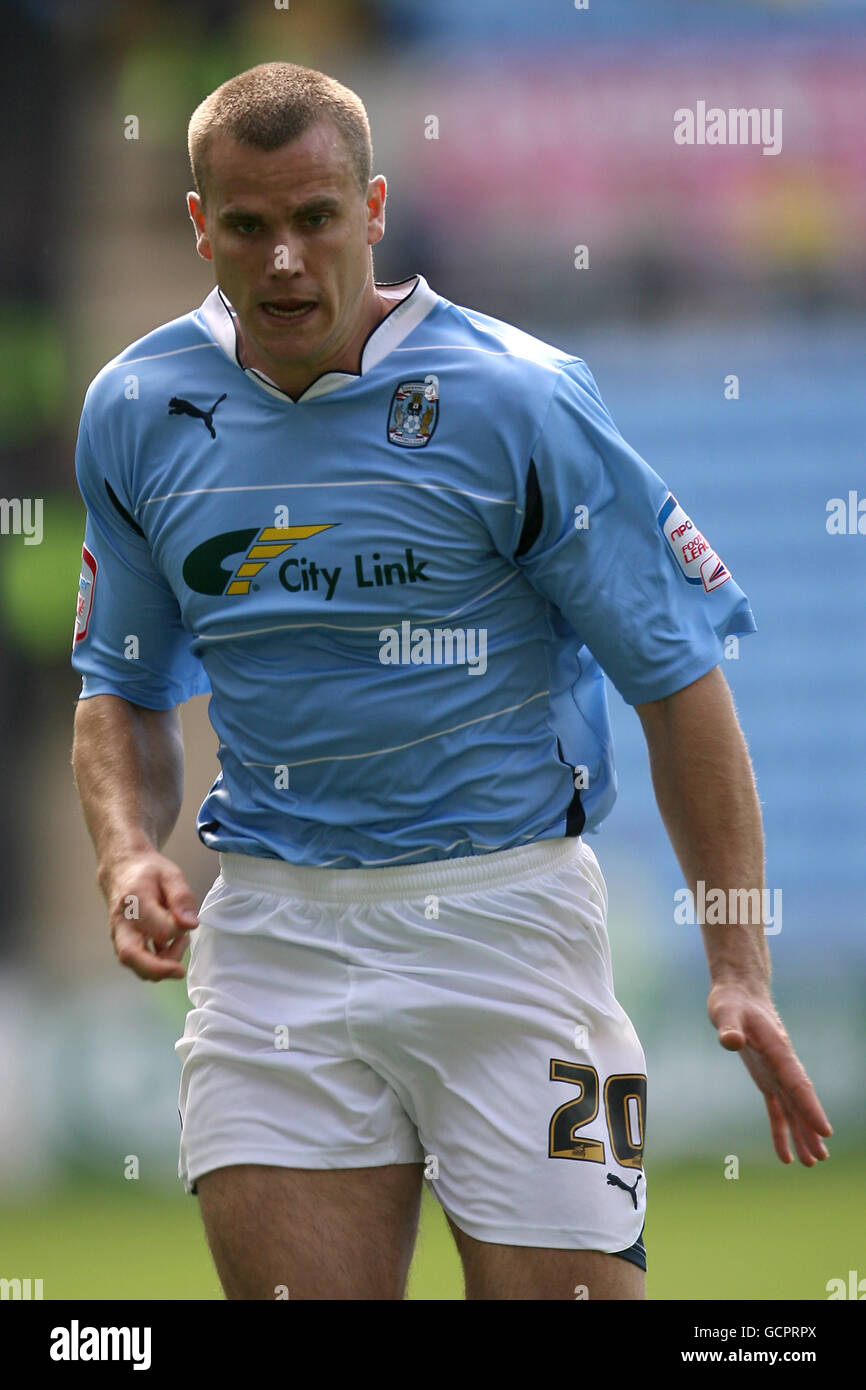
[{"x": 269, "y": 105}]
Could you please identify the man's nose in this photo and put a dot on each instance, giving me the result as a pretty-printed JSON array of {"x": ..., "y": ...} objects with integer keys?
[{"x": 288, "y": 256}]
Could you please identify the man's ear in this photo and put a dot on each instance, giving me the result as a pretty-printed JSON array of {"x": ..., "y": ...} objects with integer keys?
[
  {"x": 196, "y": 212},
  {"x": 377, "y": 192}
]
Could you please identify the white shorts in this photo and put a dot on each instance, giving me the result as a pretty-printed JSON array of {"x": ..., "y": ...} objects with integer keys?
[{"x": 459, "y": 1014}]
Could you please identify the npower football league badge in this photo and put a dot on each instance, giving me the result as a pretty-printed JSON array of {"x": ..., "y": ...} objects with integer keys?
[{"x": 693, "y": 553}]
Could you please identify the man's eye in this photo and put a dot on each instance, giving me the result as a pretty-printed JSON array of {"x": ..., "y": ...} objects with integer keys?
[
  {"x": 246, "y": 228},
  {"x": 318, "y": 217}
]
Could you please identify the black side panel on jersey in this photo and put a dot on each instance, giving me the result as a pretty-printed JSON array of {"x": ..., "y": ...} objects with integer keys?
[
  {"x": 116, "y": 502},
  {"x": 533, "y": 515},
  {"x": 575, "y": 816}
]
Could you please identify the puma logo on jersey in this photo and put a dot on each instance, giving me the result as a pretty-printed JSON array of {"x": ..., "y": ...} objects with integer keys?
[
  {"x": 178, "y": 406},
  {"x": 614, "y": 1181}
]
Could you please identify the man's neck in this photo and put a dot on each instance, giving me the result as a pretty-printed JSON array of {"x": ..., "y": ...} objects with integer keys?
[{"x": 348, "y": 360}]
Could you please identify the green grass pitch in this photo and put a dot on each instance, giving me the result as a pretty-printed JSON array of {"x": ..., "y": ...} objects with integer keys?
[{"x": 774, "y": 1233}]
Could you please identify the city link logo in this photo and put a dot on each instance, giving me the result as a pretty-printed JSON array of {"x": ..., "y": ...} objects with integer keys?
[
  {"x": 203, "y": 568},
  {"x": 205, "y": 572}
]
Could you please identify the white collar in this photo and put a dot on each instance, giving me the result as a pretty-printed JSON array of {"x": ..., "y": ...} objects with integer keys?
[{"x": 412, "y": 305}]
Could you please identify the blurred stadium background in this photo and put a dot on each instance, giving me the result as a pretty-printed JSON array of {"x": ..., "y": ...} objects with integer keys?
[{"x": 555, "y": 130}]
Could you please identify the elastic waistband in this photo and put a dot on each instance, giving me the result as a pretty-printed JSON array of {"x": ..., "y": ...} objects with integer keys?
[{"x": 377, "y": 885}]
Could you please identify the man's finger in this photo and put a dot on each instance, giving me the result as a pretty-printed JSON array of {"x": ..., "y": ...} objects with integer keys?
[
  {"x": 810, "y": 1149},
  {"x": 770, "y": 1038},
  {"x": 149, "y": 917},
  {"x": 179, "y": 899},
  {"x": 729, "y": 1026},
  {"x": 174, "y": 950},
  {"x": 133, "y": 952},
  {"x": 804, "y": 1126},
  {"x": 785, "y": 1118},
  {"x": 803, "y": 1095},
  {"x": 778, "y": 1128},
  {"x": 160, "y": 901}
]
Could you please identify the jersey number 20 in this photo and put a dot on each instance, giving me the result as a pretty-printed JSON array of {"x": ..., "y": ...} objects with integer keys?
[{"x": 624, "y": 1109}]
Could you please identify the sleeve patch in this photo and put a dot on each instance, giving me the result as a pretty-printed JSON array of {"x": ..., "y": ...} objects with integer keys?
[
  {"x": 692, "y": 552},
  {"x": 86, "y": 585}
]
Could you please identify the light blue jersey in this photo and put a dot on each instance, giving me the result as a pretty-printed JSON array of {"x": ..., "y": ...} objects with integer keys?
[{"x": 402, "y": 590}]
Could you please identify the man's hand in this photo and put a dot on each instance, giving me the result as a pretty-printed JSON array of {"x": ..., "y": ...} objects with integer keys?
[
  {"x": 705, "y": 789},
  {"x": 128, "y": 763},
  {"x": 748, "y": 1023},
  {"x": 151, "y": 913}
]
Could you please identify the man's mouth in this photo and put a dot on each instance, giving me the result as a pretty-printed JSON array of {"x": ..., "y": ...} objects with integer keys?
[{"x": 288, "y": 308}]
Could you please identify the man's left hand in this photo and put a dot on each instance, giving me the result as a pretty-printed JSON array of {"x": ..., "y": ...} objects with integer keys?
[{"x": 747, "y": 1022}]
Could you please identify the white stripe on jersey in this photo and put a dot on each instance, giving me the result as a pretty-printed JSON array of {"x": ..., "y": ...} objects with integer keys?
[{"x": 397, "y": 747}]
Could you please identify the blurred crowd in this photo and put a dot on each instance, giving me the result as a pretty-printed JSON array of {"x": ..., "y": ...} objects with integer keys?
[{"x": 532, "y": 173}]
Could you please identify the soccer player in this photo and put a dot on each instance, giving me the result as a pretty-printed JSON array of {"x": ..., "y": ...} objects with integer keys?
[{"x": 399, "y": 542}]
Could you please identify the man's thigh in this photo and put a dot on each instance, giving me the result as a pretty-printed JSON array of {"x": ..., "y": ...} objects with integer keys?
[
  {"x": 522, "y": 1073},
  {"x": 527, "y": 1272},
  {"x": 339, "y": 1233}
]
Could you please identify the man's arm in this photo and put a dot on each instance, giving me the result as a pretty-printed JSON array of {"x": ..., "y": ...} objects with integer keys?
[
  {"x": 128, "y": 765},
  {"x": 705, "y": 790}
]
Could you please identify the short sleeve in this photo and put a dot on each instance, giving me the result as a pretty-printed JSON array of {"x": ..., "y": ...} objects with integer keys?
[
  {"x": 129, "y": 637},
  {"x": 603, "y": 539}
]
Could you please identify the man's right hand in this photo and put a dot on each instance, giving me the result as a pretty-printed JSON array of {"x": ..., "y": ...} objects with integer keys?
[{"x": 151, "y": 912}]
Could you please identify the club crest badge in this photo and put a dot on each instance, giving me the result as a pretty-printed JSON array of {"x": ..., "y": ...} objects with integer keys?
[{"x": 414, "y": 412}]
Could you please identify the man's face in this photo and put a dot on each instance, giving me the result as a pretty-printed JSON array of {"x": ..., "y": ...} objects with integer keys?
[{"x": 289, "y": 232}]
